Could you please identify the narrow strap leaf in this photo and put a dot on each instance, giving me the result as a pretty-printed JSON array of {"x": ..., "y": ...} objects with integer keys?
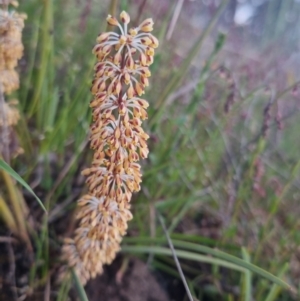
[{"x": 10, "y": 171}]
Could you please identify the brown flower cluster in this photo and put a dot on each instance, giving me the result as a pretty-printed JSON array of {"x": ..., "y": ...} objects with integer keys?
[
  {"x": 10, "y": 112},
  {"x": 118, "y": 141},
  {"x": 11, "y": 48}
]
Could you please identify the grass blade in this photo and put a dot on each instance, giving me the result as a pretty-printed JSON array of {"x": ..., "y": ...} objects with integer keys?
[
  {"x": 80, "y": 289},
  {"x": 276, "y": 289},
  {"x": 17, "y": 207},
  {"x": 184, "y": 255},
  {"x": 247, "y": 283},
  {"x": 9, "y": 170},
  {"x": 237, "y": 263},
  {"x": 7, "y": 216}
]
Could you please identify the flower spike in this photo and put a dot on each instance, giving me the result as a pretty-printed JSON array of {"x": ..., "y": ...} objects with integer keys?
[{"x": 118, "y": 141}]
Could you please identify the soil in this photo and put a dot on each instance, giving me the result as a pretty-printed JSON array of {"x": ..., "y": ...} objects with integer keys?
[
  {"x": 138, "y": 283},
  {"x": 135, "y": 282}
]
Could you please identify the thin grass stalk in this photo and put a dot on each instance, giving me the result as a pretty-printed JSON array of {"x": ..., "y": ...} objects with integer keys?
[
  {"x": 179, "y": 75},
  {"x": 40, "y": 241},
  {"x": 176, "y": 259},
  {"x": 204, "y": 76},
  {"x": 164, "y": 26},
  {"x": 174, "y": 19}
]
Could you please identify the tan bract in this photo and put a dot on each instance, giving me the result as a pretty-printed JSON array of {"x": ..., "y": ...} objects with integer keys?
[{"x": 118, "y": 141}]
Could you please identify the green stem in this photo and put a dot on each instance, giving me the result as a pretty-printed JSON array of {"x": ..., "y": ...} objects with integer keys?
[{"x": 46, "y": 43}]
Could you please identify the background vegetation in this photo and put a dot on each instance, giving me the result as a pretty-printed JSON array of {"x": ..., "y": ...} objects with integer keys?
[{"x": 223, "y": 169}]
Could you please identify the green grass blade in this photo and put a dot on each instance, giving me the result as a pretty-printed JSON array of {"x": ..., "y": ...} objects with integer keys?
[
  {"x": 247, "y": 282},
  {"x": 46, "y": 44},
  {"x": 64, "y": 289},
  {"x": 40, "y": 241},
  {"x": 276, "y": 289},
  {"x": 237, "y": 262},
  {"x": 184, "y": 255},
  {"x": 32, "y": 46},
  {"x": 80, "y": 289},
  {"x": 10, "y": 171}
]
